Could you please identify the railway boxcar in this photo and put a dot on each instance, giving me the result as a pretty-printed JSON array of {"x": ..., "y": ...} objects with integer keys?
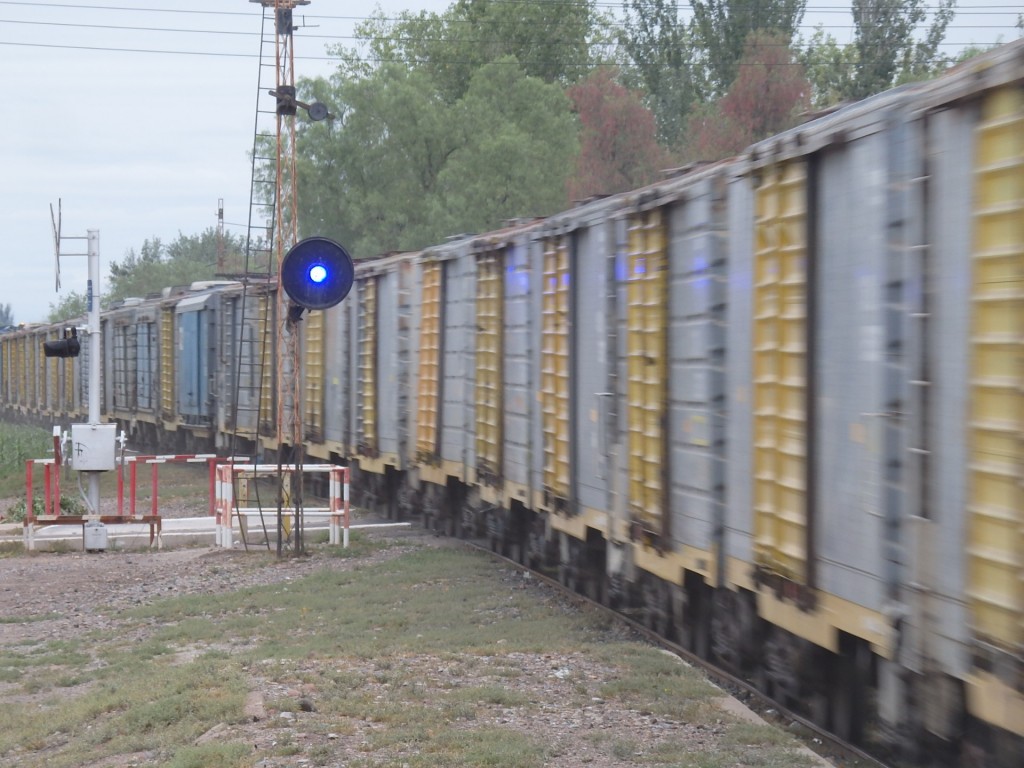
[
  {"x": 444, "y": 444},
  {"x": 774, "y": 406},
  {"x": 356, "y": 377},
  {"x": 32, "y": 385},
  {"x": 873, "y": 478},
  {"x": 131, "y": 340},
  {"x": 380, "y": 357},
  {"x": 504, "y": 391},
  {"x": 195, "y": 365},
  {"x": 195, "y": 329},
  {"x": 339, "y": 380}
]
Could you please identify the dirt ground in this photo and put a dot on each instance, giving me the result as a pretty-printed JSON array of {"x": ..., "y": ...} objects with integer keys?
[{"x": 79, "y": 592}]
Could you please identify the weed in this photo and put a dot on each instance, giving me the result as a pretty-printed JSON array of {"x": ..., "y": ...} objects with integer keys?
[{"x": 360, "y": 638}]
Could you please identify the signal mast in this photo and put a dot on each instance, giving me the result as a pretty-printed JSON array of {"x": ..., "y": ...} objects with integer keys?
[{"x": 314, "y": 274}]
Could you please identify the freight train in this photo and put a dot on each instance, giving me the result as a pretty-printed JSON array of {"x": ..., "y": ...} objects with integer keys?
[{"x": 774, "y": 405}]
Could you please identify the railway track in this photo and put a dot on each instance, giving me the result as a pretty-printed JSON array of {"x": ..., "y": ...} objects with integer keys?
[{"x": 816, "y": 738}]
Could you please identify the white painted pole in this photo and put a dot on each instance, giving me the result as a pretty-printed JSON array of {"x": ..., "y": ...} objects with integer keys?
[{"x": 95, "y": 343}]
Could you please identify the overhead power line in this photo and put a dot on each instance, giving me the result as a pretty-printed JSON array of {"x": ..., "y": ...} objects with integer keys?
[
  {"x": 991, "y": 9},
  {"x": 995, "y": 8},
  {"x": 308, "y": 36}
]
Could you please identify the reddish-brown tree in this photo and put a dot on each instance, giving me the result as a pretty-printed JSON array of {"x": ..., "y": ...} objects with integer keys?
[
  {"x": 769, "y": 91},
  {"x": 618, "y": 145}
]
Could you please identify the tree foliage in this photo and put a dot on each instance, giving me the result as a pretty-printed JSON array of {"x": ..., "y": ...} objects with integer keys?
[
  {"x": 618, "y": 138},
  {"x": 403, "y": 168},
  {"x": 721, "y": 29},
  {"x": 551, "y": 41},
  {"x": 185, "y": 260},
  {"x": 769, "y": 91},
  {"x": 831, "y": 68},
  {"x": 371, "y": 181},
  {"x": 517, "y": 143},
  {"x": 659, "y": 59},
  {"x": 453, "y": 122},
  {"x": 70, "y": 306},
  {"x": 887, "y": 51}
]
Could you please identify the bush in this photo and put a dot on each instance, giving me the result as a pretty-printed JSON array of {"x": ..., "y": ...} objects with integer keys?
[{"x": 68, "y": 506}]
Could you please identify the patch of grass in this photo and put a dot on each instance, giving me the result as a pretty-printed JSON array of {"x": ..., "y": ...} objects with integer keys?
[
  {"x": 493, "y": 747},
  {"x": 127, "y": 711},
  {"x": 426, "y": 599},
  {"x": 756, "y": 735},
  {"x": 360, "y": 544},
  {"x": 11, "y": 548},
  {"x": 230, "y": 755},
  {"x": 658, "y": 681},
  {"x": 29, "y": 618},
  {"x": 53, "y": 655},
  {"x": 18, "y": 444},
  {"x": 420, "y": 646}
]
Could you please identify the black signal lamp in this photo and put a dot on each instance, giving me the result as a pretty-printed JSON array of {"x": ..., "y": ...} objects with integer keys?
[
  {"x": 317, "y": 273},
  {"x": 68, "y": 346}
]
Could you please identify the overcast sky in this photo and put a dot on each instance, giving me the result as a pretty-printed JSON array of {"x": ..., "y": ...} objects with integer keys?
[{"x": 140, "y": 131}]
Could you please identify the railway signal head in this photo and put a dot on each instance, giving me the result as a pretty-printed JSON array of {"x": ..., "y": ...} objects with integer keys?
[
  {"x": 317, "y": 273},
  {"x": 68, "y": 346}
]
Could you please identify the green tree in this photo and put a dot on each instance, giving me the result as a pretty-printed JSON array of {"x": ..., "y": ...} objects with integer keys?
[
  {"x": 659, "y": 59},
  {"x": 402, "y": 168},
  {"x": 721, "y": 29},
  {"x": 70, "y": 306},
  {"x": 830, "y": 67},
  {"x": 371, "y": 182},
  {"x": 887, "y": 51},
  {"x": 551, "y": 41},
  {"x": 6, "y": 315},
  {"x": 517, "y": 145},
  {"x": 186, "y": 259}
]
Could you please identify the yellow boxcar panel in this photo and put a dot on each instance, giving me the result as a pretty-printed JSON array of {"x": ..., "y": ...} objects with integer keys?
[
  {"x": 53, "y": 364},
  {"x": 428, "y": 392},
  {"x": 555, "y": 369},
  {"x": 5, "y": 371},
  {"x": 646, "y": 355},
  {"x": 167, "y": 339},
  {"x": 35, "y": 374},
  {"x": 779, "y": 371},
  {"x": 268, "y": 372},
  {"x": 68, "y": 404},
  {"x": 489, "y": 324},
  {"x": 995, "y": 551},
  {"x": 314, "y": 379},
  {"x": 25, "y": 373},
  {"x": 368, "y": 367}
]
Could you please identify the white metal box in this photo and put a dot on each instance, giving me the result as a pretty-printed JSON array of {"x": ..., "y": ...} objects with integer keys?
[
  {"x": 94, "y": 536},
  {"x": 93, "y": 447}
]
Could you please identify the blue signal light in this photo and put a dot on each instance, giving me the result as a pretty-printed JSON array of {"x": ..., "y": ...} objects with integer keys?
[{"x": 317, "y": 273}]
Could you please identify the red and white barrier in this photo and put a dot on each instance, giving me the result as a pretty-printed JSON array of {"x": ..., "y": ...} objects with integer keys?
[{"x": 225, "y": 508}]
